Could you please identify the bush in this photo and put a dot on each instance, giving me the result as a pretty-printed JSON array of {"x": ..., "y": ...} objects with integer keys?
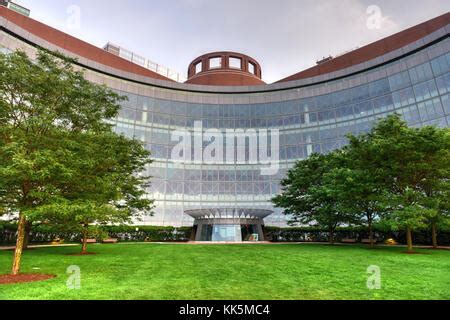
[
  {"x": 149, "y": 233},
  {"x": 315, "y": 234},
  {"x": 7, "y": 232},
  {"x": 46, "y": 234}
]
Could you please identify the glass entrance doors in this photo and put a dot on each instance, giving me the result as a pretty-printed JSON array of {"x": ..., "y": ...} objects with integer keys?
[{"x": 227, "y": 233}]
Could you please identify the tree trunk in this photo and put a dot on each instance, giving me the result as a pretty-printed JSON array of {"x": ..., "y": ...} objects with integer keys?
[
  {"x": 19, "y": 245},
  {"x": 371, "y": 240},
  {"x": 434, "y": 235},
  {"x": 331, "y": 236},
  {"x": 409, "y": 239},
  {"x": 85, "y": 235},
  {"x": 28, "y": 226}
]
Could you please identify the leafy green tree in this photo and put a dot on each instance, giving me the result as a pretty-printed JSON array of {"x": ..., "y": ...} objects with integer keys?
[
  {"x": 308, "y": 198},
  {"x": 435, "y": 185},
  {"x": 106, "y": 189},
  {"x": 412, "y": 164},
  {"x": 440, "y": 216},
  {"x": 394, "y": 172},
  {"x": 52, "y": 122},
  {"x": 356, "y": 191}
]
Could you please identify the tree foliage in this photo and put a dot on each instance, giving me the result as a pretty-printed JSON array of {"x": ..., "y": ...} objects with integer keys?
[
  {"x": 309, "y": 198},
  {"x": 394, "y": 173},
  {"x": 60, "y": 160}
]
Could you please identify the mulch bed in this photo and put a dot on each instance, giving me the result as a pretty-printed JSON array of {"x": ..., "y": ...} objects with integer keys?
[
  {"x": 24, "y": 278},
  {"x": 415, "y": 252},
  {"x": 81, "y": 254}
]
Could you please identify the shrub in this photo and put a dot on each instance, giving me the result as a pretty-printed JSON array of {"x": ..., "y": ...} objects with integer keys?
[
  {"x": 315, "y": 234},
  {"x": 46, "y": 233}
]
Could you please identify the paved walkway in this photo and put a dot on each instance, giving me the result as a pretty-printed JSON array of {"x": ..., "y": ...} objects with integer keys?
[
  {"x": 41, "y": 246},
  {"x": 277, "y": 243},
  {"x": 230, "y": 243},
  {"x": 316, "y": 243}
]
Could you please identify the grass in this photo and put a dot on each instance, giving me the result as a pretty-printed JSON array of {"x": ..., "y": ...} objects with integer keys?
[{"x": 174, "y": 272}]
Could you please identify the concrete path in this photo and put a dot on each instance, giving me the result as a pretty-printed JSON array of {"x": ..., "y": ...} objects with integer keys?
[
  {"x": 41, "y": 246},
  {"x": 225, "y": 243}
]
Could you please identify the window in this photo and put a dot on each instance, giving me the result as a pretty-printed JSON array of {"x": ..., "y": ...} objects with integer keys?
[
  {"x": 379, "y": 87},
  {"x": 363, "y": 109},
  {"x": 361, "y": 93},
  {"x": 441, "y": 65},
  {"x": 324, "y": 102},
  {"x": 346, "y": 111},
  {"x": 138, "y": 60},
  {"x": 411, "y": 115},
  {"x": 342, "y": 97},
  {"x": 431, "y": 109},
  {"x": 403, "y": 98},
  {"x": 399, "y": 80},
  {"x": 446, "y": 103},
  {"x": 443, "y": 83},
  {"x": 326, "y": 115},
  {"x": 235, "y": 63},
  {"x": 251, "y": 68},
  {"x": 425, "y": 90},
  {"x": 215, "y": 63},
  {"x": 127, "y": 114},
  {"x": 383, "y": 104},
  {"x": 421, "y": 73},
  {"x": 198, "y": 67},
  {"x": 330, "y": 133}
]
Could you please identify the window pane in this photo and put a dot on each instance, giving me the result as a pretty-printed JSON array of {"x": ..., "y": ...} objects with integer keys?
[
  {"x": 421, "y": 73},
  {"x": 235, "y": 63},
  {"x": 215, "y": 63},
  {"x": 198, "y": 67},
  {"x": 251, "y": 68}
]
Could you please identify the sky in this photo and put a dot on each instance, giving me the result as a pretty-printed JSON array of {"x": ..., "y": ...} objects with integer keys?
[{"x": 284, "y": 36}]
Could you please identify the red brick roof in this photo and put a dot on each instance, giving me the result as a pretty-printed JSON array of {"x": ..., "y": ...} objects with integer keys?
[
  {"x": 375, "y": 49},
  {"x": 75, "y": 45}
]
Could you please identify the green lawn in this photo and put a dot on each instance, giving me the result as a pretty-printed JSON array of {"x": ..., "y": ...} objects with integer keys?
[{"x": 169, "y": 271}]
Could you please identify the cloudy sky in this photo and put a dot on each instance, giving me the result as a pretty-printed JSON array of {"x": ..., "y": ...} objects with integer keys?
[{"x": 285, "y": 36}]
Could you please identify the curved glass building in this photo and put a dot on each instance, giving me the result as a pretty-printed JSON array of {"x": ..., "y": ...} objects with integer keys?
[{"x": 222, "y": 141}]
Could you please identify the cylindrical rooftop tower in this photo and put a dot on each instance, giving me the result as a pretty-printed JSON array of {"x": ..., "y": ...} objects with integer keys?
[{"x": 225, "y": 69}]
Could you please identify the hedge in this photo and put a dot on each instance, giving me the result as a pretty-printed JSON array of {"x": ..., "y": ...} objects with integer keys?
[
  {"x": 314, "y": 234},
  {"x": 46, "y": 234}
]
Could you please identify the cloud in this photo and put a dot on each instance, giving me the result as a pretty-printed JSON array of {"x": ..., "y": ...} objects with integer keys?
[{"x": 285, "y": 36}]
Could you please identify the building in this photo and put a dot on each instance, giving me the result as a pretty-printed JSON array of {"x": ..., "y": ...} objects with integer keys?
[
  {"x": 16, "y": 7},
  {"x": 310, "y": 111},
  {"x": 144, "y": 62}
]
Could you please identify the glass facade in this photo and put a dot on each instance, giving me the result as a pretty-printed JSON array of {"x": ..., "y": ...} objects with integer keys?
[
  {"x": 310, "y": 118},
  {"x": 315, "y": 124}
]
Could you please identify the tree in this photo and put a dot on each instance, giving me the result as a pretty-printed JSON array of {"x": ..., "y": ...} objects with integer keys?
[
  {"x": 394, "y": 172},
  {"x": 412, "y": 164},
  {"x": 356, "y": 191},
  {"x": 106, "y": 190},
  {"x": 49, "y": 116},
  {"x": 435, "y": 185},
  {"x": 440, "y": 216},
  {"x": 308, "y": 198}
]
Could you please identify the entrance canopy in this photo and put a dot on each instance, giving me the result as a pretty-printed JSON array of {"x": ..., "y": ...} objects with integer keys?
[
  {"x": 229, "y": 224},
  {"x": 229, "y": 213}
]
